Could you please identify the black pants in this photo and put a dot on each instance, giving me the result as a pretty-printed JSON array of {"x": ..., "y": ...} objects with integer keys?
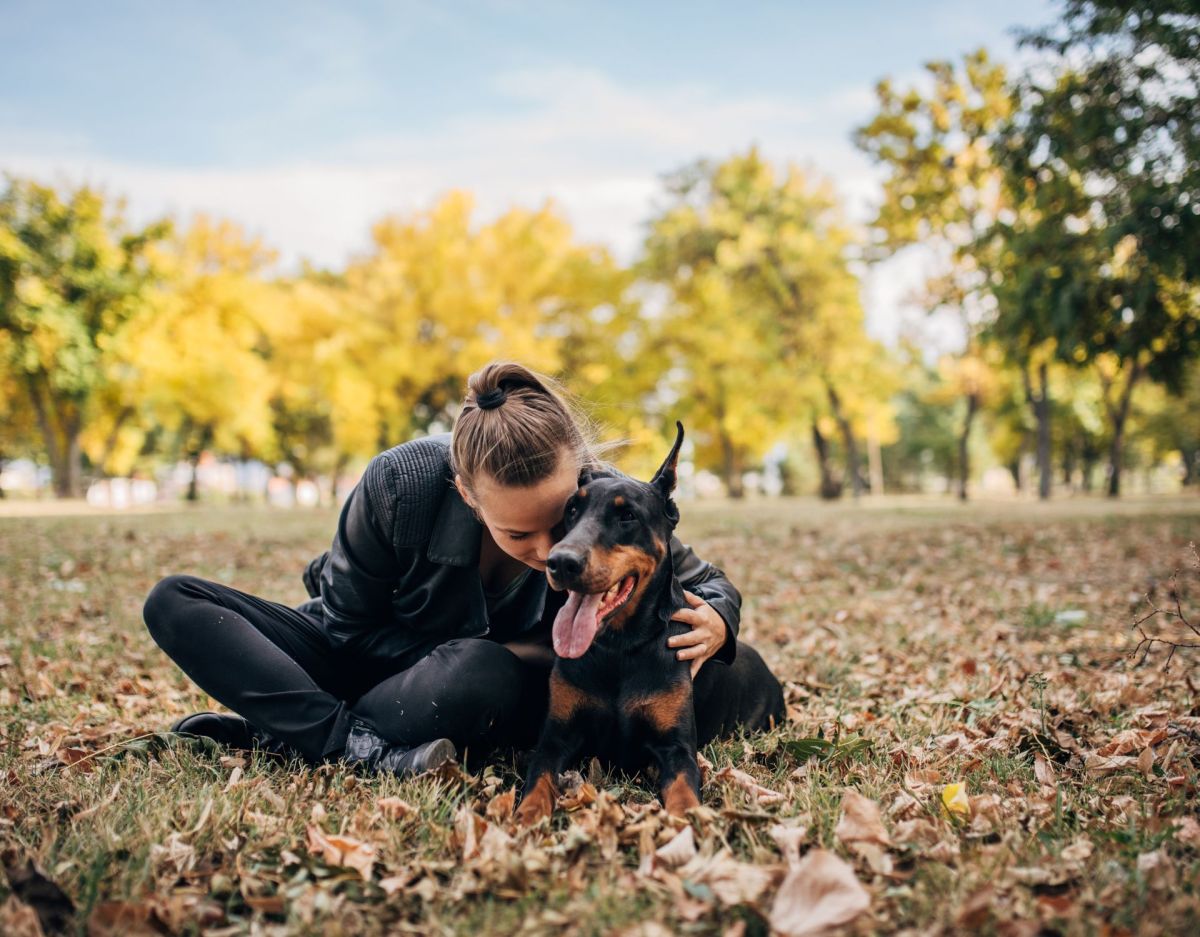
[{"x": 274, "y": 666}]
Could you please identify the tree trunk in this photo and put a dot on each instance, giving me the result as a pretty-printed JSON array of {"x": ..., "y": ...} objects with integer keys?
[
  {"x": 1117, "y": 414},
  {"x": 1014, "y": 469},
  {"x": 1188, "y": 453},
  {"x": 54, "y": 452},
  {"x": 110, "y": 442},
  {"x": 964, "y": 454},
  {"x": 193, "y": 488},
  {"x": 875, "y": 463},
  {"x": 1040, "y": 402},
  {"x": 74, "y": 466},
  {"x": 848, "y": 440},
  {"x": 831, "y": 488},
  {"x": 731, "y": 470}
]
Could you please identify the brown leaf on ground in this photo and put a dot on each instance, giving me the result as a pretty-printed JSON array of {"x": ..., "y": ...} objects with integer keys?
[
  {"x": 821, "y": 892},
  {"x": 122, "y": 919},
  {"x": 394, "y": 808},
  {"x": 731, "y": 882},
  {"x": 681, "y": 849},
  {"x": 860, "y": 820},
  {"x": 764, "y": 795},
  {"x": 788, "y": 839},
  {"x": 342, "y": 851},
  {"x": 1187, "y": 831},
  {"x": 1043, "y": 770},
  {"x": 19, "y": 920},
  {"x": 500, "y": 807},
  {"x": 581, "y": 796}
]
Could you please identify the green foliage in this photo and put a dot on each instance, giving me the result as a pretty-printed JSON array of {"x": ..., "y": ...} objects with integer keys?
[
  {"x": 71, "y": 277},
  {"x": 762, "y": 325}
]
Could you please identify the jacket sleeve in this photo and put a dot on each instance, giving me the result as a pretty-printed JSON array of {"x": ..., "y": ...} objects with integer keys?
[
  {"x": 711, "y": 584},
  {"x": 357, "y": 580}
]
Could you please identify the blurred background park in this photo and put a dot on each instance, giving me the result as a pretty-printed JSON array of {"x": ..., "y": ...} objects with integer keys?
[{"x": 935, "y": 247}]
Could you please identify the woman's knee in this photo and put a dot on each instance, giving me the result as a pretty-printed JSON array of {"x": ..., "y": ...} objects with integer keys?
[
  {"x": 161, "y": 611},
  {"x": 484, "y": 674}
]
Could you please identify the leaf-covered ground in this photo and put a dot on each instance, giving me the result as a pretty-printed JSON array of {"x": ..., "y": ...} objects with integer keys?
[{"x": 971, "y": 747}]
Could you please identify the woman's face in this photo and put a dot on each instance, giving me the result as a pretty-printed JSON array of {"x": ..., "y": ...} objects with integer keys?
[{"x": 526, "y": 522}]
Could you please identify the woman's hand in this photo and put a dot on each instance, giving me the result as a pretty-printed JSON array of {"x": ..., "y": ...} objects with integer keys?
[{"x": 707, "y": 636}]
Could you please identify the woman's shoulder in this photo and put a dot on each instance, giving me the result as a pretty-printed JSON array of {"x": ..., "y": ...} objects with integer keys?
[{"x": 406, "y": 485}]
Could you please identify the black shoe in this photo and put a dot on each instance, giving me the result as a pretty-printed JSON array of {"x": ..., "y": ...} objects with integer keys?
[
  {"x": 232, "y": 731},
  {"x": 370, "y": 751}
]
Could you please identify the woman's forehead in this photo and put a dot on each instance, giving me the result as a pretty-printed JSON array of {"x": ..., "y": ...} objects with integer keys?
[{"x": 536, "y": 507}]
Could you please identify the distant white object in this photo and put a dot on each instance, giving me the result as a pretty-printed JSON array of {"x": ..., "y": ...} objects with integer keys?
[{"x": 122, "y": 493}]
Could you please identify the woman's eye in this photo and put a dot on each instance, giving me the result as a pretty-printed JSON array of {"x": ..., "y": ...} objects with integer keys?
[{"x": 517, "y": 536}]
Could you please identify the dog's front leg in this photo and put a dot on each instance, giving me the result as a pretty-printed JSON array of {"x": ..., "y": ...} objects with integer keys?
[
  {"x": 562, "y": 739},
  {"x": 678, "y": 773},
  {"x": 559, "y": 744}
]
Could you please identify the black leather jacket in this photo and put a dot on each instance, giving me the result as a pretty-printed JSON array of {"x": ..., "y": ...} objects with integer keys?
[{"x": 403, "y": 571}]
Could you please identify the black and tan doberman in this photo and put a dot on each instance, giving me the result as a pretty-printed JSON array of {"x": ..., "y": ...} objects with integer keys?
[{"x": 617, "y": 690}]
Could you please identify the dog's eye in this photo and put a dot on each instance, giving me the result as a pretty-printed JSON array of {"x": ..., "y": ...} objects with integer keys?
[
  {"x": 627, "y": 517},
  {"x": 572, "y": 510}
]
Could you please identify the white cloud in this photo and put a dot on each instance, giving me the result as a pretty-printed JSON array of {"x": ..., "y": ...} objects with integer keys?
[{"x": 597, "y": 147}]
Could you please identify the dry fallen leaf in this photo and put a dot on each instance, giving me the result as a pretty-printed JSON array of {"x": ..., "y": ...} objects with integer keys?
[
  {"x": 788, "y": 839},
  {"x": 764, "y": 795},
  {"x": 819, "y": 893},
  {"x": 342, "y": 851},
  {"x": 1079, "y": 850},
  {"x": 1187, "y": 831},
  {"x": 500, "y": 807},
  {"x": 860, "y": 820},
  {"x": 731, "y": 882},
  {"x": 681, "y": 849},
  {"x": 1043, "y": 770},
  {"x": 394, "y": 808}
]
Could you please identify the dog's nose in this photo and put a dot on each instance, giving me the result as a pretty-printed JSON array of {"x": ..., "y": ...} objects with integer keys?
[{"x": 563, "y": 564}]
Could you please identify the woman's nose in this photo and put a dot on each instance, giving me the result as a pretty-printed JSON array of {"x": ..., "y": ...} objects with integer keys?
[{"x": 544, "y": 545}]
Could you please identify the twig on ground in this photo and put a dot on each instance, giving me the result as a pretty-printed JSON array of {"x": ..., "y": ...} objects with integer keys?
[{"x": 1147, "y": 641}]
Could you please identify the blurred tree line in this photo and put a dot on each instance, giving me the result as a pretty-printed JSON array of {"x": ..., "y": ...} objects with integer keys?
[{"x": 1062, "y": 206}]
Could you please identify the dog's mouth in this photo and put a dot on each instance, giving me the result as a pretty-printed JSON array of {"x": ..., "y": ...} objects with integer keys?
[{"x": 580, "y": 618}]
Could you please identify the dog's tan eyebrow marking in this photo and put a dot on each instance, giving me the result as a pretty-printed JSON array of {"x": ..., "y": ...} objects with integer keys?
[
  {"x": 583, "y": 492},
  {"x": 619, "y": 500}
]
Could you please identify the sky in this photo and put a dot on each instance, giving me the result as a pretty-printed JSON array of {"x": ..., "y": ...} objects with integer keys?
[{"x": 307, "y": 122}]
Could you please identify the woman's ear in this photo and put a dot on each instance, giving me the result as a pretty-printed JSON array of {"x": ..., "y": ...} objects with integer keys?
[{"x": 462, "y": 492}]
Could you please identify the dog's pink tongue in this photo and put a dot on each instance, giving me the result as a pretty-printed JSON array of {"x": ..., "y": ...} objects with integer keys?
[{"x": 575, "y": 625}]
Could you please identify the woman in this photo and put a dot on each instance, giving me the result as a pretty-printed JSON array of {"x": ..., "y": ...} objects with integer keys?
[{"x": 429, "y": 629}]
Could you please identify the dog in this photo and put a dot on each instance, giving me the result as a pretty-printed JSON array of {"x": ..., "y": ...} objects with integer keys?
[{"x": 616, "y": 689}]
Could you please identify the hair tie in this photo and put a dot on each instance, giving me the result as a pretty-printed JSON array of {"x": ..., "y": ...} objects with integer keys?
[{"x": 492, "y": 399}]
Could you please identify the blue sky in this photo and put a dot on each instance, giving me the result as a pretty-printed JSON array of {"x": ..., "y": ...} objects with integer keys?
[{"x": 307, "y": 121}]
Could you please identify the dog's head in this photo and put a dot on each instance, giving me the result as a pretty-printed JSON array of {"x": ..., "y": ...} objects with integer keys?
[{"x": 617, "y": 534}]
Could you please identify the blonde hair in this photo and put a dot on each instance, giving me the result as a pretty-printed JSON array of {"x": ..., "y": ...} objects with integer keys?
[{"x": 514, "y": 425}]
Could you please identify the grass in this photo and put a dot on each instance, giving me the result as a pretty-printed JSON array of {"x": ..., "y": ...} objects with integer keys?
[{"x": 922, "y": 643}]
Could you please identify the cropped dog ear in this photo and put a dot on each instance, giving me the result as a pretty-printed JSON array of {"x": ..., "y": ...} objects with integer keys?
[{"x": 664, "y": 479}]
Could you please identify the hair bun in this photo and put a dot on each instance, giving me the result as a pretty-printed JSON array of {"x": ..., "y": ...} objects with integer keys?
[{"x": 492, "y": 399}]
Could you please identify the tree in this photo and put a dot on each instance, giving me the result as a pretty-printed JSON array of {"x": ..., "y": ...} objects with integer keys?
[
  {"x": 198, "y": 352},
  {"x": 71, "y": 277},
  {"x": 763, "y": 309},
  {"x": 1121, "y": 117},
  {"x": 439, "y": 296},
  {"x": 943, "y": 190}
]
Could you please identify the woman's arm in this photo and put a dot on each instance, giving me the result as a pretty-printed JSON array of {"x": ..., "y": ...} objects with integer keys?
[
  {"x": 710, "y": 584},
  {"x": 357, "y": 580}
]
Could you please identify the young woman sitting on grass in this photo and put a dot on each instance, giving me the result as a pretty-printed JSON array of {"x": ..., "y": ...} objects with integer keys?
[{"x": 428, "y": 633}]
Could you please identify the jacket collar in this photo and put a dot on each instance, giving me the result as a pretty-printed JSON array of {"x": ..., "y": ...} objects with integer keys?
[{"x": 456, "y": 533}]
